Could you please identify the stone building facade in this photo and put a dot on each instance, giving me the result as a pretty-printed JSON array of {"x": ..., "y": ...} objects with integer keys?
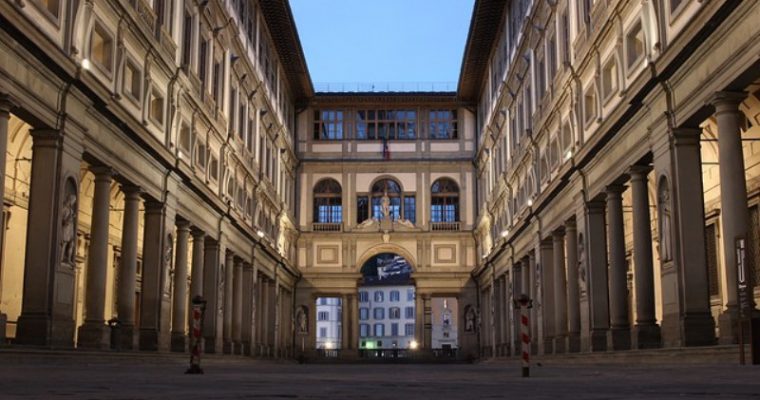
[{"x": 600, "y": 156}]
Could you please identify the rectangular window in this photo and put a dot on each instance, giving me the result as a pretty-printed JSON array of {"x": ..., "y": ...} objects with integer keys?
[
  {"x": 101, "y": 48},
  {"x": 408, "y": 329},
  {"x": 394, "y": 329},
  {"x": 565, "y": 38},
  {"x": 386, "y": 124},
  {"x": 187, "y": 38},
  {"x": 442, "y": 124},
  {"x": 328, "y": 125},
  {"x": 132, "y": 84},
  {"x": 218, "y": 86},
  {"x": 589, "y": 106},
  {"x": 323, "y": 316},
  {"x": 609, "y": 79},
  {"x": 52, "y": 7},
  {"x": 157, "y": 108},
  {"x": 200, "y": 154},
  {"x": 410, "y": 211},
  {"x": 363, "y": 297},
  {"x": 184, "y": 138},
  {"x": 379, "y": 330},
  {"x": 203, "y": 65},
  {"x": 379, "y": 296},
  {"x": 394, "y": 313},
  {"x": 395, "y": 296},
  {"x": 362, "y": 209},
  {"x": 378, "y": 313},
  {"x": 363, "y": 330},
  {"x": 634, "y": 45},
  {"x": 409, "y": 312},
  {"x": 363, "y": 313},
  {"x": 322, "y": 332},
  {"x": 410, "y": 294}
]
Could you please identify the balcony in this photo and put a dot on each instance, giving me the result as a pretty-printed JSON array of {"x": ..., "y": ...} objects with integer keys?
[
  {"x": 444, "y": 226},
  {"x": 325, "y": 227}
]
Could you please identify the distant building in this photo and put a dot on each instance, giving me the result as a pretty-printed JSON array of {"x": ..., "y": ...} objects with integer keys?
[
  {"x": 444, "y": 323},
  {"x": 329, "y": 314}
]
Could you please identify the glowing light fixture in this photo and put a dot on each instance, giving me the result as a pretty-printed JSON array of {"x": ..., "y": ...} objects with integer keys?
[
  {"x": 413, "y": 345},
  {"x": 568, "y": 154},
  {"x": 260, "y": 233},
  {"x": 505, "y": 233},
  {"x": 530, "y": 202},
  {"x": 86, "y": 64}
]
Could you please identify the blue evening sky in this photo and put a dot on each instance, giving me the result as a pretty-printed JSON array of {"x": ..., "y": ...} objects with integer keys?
[{"x": 378, "y": 41}]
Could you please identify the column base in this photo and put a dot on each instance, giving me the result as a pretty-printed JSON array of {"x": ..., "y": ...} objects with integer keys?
[
  {"x": 179, "y": 342},
  {"x": 619, "y": 338},
  {"x": 227, "y": 347},
  {"x": 41, "y": 330},
  {"x": 573, "y": 342},
  {"x": 646, "y": 337},
  {"x": 94, "y": 335},
  {"x": 728, "y": 326},
  {"x": 548, "y": 345},
  {"x": 598, "y": 340},
  {"x": 559, "y": 344},
  {"x": 148, "y": 340},
  {"x": 698, "y": 330},
  {"x": 128, "y": 336}
]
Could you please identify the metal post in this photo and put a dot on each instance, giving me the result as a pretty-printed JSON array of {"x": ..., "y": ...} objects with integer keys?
[
  {"x": 525, "y": 303},
  {"x": 196, "y": 335}
]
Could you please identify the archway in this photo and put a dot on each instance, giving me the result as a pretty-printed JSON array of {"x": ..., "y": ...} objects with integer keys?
[{"x": 387, "y": 309}]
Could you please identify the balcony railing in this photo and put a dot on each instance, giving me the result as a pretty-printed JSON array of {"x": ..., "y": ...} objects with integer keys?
[
  {"x": 325, "y": 227},
  {"x": 384, "y": 87},
  {"x": 445, "y": 226}
]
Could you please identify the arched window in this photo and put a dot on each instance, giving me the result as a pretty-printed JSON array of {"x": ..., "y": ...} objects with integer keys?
[
  {"x": 444, "y": 201},
  {"x": 328, "y": 208}
]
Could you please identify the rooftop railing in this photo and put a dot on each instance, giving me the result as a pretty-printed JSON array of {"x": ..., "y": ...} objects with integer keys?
[{"x": 385, "y": 87}]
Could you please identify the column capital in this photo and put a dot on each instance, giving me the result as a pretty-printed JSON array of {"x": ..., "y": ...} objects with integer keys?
[
  {"x": 153, "y": 206},
  {"x": 614, "y": 190},
  {"x": 570, "y": 226},
  {"x": 182, "y": 225},
  {"x": 558, "y": 235},
  {"x": 639, "y": 172},
  {"x": 727, "y": 101},
  {"x": 197, "y": 233},
  {"x": 6, "y": 104},
  {"x": 131, "y": 192},
  {"x": 686, "y": 136}
]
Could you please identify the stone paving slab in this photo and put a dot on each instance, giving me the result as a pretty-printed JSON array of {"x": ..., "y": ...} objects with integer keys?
[{"x": 70, "y": 376}]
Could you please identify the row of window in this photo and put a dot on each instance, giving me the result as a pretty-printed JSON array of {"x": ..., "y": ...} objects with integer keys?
[
  {"x": 378, "y": 330},
  {"x": 328, "y": 202},
  {"x": 385, "y": 124},
  {"x": 378, "y": 313},
  {"x": 379, "y": 296}
]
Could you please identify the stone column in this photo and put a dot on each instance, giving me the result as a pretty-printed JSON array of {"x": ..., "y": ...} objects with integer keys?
[
  {"x": 619, "y": 337},
  {"x": 419, "y": 319},
  {"x": 179, "y": 299},
  {"x": 196, "y": 272},
  {"x": 94, "y": 333},
  {"x": 533, "y": 312},
  {"x": 573, "y": 296},
  {"x": 547, "y": 292},
  {"x": 560, "y": 291},
  {"x": 47, "y": 310},
  {"x": 518, "y": 286},
  {"x": 598, "y": 294},
  {"x": 5, "y": 115},
  {"x": 276, "y": 309},
  {"x": 427, "y": 339},
  {"x": 237, "y": 306},
  {"x": 527, "y": 288},
  {"x": 154, "y": 318},
  {"x": 345, "y": 336},
  {"x": 246, "y": 331},
  {"x": 734, "y": 213},
  {"x": 646, "y": 333},
  {"x": 686, "y": 312},
  {"x": 212, "y": 253},
  {"x": 128, "y": 268},
  {"x": 228, "y": 296},
  {"x": 265, "y": 315},
  {"x": 353, "y": 303}
]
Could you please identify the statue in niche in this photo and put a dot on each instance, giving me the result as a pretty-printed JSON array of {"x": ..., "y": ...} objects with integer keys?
[
  {"x": 470, "y": 319},
  {"x": 582, "y": 279},
  {"x": 663, "y": 199},
  {"x": 166, "y": 261},
  {"x": 302, "y": 320},
  {"x": 385, "y": 206},
  {"x": 69, "y": 225}
]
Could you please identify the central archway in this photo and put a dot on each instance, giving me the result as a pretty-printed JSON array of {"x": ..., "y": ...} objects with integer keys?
[{"x": 387, "y": 310}]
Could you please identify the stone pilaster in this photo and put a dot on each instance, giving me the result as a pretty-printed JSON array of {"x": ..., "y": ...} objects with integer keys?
[
  {"x": 94, "y": 333},
  {"x": 573, "y": 297},
  {"x": 598, "y": 294},
  {"x": 560, "y": 291},
  {"x": 228, "y": 297},
  {"x": 237, "y": 306},
  {"x": 646, "y": 332},
  {"x": 196, "y": 269},
  {"x": 427, "y": 339},
  {"x": 180, "y": 298},
  {"x": 128, "y": 266},
  {"x": 212, "y": 276},
  {"x": 246, "y": 330},
  {"x": 620, "y": 330},
  {"x": 47, "y": 310},
  {"x": 546, "y": 258}
]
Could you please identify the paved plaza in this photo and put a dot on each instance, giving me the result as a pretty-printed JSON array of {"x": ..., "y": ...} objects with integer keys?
[{"x": 77, "y": 376}]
